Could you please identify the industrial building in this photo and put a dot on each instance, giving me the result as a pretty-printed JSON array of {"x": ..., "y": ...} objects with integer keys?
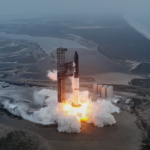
[
  {"x": 104, "y": 91},
  {"x": 95, "y": 88},
  {"x": 99, "y": 89}
]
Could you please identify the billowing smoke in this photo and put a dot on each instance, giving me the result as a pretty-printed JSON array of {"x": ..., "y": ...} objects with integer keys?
[
  {"x": 52, "y": 75},
  {"x": 38, "y": 100},
  {"x": 98, "y": 112}
]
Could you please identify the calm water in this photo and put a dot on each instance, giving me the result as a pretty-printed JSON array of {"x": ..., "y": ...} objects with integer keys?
[
  {"x": 47, "y": 43},
  {"x": 91, "y": 62}
]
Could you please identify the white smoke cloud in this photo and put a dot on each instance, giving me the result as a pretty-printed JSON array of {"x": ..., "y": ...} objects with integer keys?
[
  {"x": 52, "y": 75},
  {"x": 98, "y": 112},
  {"x": 38, "y": 99}
]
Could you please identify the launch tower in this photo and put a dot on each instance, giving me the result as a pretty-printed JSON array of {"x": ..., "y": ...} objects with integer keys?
[
  {"x": 62, "y": 72},
  {"x": 61, "y": 79}
]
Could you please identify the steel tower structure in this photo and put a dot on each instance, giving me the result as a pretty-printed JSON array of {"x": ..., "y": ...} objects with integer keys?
[
  {"x": 64, "y": 69},
  {"x": 61, "y": 78}
]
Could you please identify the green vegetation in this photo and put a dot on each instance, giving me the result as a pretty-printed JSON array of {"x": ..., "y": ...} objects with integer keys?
[
  {"x": 136, "y": 101},
  {"x": 146, "y": 142},
  {"x": 124, "y": 88},
  {"x": 20, "y": 140},
  {"x": 145, "y": 83}
]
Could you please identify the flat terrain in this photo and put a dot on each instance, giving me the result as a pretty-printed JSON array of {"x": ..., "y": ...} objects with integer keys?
[
  {"x": 125, "y": 134},
  {"x": 122, "y": 136}
]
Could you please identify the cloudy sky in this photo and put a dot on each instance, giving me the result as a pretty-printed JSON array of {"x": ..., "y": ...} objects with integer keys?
[{"x": 17, "y": 9}]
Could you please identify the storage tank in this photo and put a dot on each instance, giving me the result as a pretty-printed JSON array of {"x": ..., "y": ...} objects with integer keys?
[
  {"x": 95, "y": 86},
  {"x": 99, "y": 89},
  {"x": 110, "y": 92},
  {"x": 103, "y": 91}
]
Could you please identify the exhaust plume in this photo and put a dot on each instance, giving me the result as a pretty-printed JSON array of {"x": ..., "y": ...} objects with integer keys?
[
  {"x": 98, "y": 112},
  {"x": 52, "y": 75}
]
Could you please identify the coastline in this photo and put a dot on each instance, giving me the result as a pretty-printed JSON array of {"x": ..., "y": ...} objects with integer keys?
[{"x": 86, "y": 44}]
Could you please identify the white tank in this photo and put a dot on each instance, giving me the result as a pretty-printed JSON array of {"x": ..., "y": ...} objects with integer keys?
[
  {"x": 110, "y": 92},
  {"x": 99, "y": 89},
  {"x": 95, "y": 88},
  {"x": 103, "y": 91}
]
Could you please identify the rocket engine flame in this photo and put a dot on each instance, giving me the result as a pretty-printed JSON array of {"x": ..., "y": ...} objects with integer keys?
[{"x": 79, "y": 112}]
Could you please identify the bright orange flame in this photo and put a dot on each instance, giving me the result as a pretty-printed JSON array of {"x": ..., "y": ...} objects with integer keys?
[{"x": 79, "y": 112}]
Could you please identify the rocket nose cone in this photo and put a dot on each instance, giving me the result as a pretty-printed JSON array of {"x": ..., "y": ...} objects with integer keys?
[{"x": 76, "y": 53}]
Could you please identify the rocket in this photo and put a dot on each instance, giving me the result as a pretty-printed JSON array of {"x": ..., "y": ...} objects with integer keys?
[
  {"x": 76, "y": 81},
  {"x": 76, "y": 61}
]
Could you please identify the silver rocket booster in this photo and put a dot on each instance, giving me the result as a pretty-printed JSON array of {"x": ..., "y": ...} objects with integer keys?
[{"x": 76, "y": 81}]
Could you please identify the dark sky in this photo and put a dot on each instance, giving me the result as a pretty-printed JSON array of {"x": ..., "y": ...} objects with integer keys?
[{"x": 17, "y": 9}]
